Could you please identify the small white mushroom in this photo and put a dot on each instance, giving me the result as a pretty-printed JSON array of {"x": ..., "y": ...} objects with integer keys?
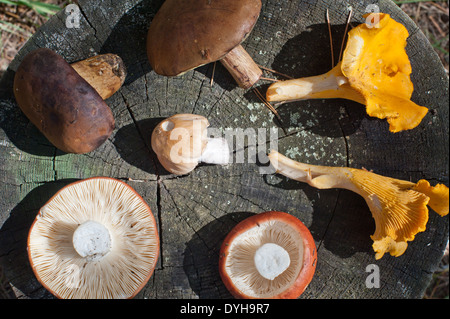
[{"x": 181, "y": 142}]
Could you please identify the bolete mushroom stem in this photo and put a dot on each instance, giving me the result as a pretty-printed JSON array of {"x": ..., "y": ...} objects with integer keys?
[
  {"x": 105, "y": 73},
  {"x": 242, "y": 67},
  {"x": 398, "y": 207}
]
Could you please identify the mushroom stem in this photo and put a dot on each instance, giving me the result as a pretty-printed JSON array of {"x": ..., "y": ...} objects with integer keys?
[
  {"x": 330, "y": 85},
  {"x": 321, "y": 177},
  {"x": 216, "y": 152},
  {"x": 398, "y": 207},
  {"x": 91, "y": 240},
  {"x": 105, "y": 73},
  {"x": 242, "y": 67},
  {"x": 271, "y": 260}
]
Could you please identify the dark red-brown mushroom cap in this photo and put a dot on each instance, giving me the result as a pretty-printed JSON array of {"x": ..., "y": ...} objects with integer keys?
[
  {"x": 186, "y": 34},
  {"x": 60, "y": 103},
  {"x": 237, "y": 257}
]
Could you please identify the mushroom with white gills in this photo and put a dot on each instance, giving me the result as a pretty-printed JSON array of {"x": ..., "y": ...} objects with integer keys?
[
  {"x": 66, "y": 101},
  {"x": 94, "y": 239},
  {"x": 187, "y": 34},
  {"x": 270, "y": 255},
  {"x": 181, "y": 142}
]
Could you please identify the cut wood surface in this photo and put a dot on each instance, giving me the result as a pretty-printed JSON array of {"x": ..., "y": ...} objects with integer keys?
[{"x": 195, "y": 212}]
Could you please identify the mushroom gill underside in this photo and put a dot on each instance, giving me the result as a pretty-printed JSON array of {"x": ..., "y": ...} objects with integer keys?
[
  {"x": 399, "y": 211},
  {"x": 240, "y": 264},
  {"x": 118, "y": 274}
]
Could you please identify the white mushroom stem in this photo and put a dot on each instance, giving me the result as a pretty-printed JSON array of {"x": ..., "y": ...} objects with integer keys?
[
  {"x": 216, "y": 152},
  {"x": 271, "y": 260},
  {"x": 92, "y": 240}
]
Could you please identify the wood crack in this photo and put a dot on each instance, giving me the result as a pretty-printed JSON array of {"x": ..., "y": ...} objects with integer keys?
[
  {"x": 331, "y": 219},
  {"x": 198, "y": 96},
  {"x": 159, "y": 181},
  {"x": 89, "y": 22},
  {"x": 55, "y": 171}
]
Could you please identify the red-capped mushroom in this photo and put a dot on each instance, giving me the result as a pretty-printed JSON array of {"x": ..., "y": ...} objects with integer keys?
[{"x": 268, "y": 255}]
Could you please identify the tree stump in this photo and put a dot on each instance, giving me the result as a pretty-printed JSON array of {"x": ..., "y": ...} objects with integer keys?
[{"x": 195, "y": 212}]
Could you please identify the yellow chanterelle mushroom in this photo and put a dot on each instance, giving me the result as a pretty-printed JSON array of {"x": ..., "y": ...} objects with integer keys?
[
  {"x": 398, "y": 207},
  {"x": 374, "y": 71}
]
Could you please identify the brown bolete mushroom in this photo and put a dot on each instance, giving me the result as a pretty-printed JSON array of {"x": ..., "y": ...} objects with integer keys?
[
  {"x": 67, "y": 106},
  {"x": 268, "y": 255},
  {"x": 181, "y": 142},
  {"x": 398, "y": 207},
  {"x": 184, "y": 35},
  {"x": 94, "y": 239},
  {"x": 374, "y": 71}
]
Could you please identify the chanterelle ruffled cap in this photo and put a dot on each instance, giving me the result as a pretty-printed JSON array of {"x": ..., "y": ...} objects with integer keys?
[
  {"x": 398, "y": 207},
  {"x": 375, "y": 71},
  {"x": 376, "y": 64}
]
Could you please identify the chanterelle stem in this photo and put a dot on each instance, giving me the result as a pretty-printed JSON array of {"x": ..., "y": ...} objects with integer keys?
[{"x": 330, "y": 85}]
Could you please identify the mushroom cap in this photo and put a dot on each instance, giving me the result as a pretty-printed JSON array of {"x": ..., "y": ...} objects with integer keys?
[
  {"x": 186, "y": 34},
  {"x": 179, "y": 142},
  {"x": 60, "y": 103},
  {"x": 121, "y": 272},
  {"x": 377, "y": 65},
  {"x": 237, "y": 266}
]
